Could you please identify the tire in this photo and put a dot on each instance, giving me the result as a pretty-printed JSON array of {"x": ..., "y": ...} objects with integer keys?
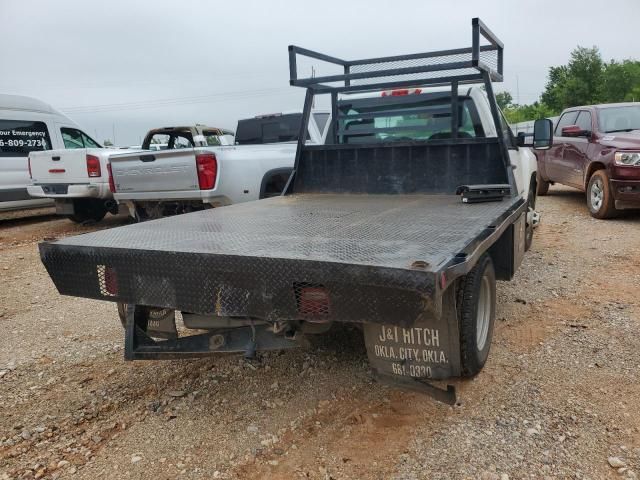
[
  {"x": 599, "y": 196},
  {"x": 88, "y": 210},
  {"x": 531, "y": 206},
  {"x": 542, "y": 186},
  {"x": 147, "y": 314},
  {"x": 476, "y": 306}
]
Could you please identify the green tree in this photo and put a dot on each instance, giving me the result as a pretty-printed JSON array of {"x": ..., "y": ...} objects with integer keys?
[
  {"x": 504, "y": 100},
  {"x": 553, "y": 94},
  {"x": 580, "y": 82},
  {"x": 621, "y": 81},
  {"x": 523, "y": 113}
]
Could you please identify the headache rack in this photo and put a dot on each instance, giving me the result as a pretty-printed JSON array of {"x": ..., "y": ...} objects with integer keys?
[
  {"x": 482, "y": 63},
  {"x": 463, "y": 65}
]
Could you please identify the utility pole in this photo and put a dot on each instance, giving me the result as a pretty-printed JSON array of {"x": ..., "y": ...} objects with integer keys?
[
  {"x": 113, "y": 131},
  {"x": 313, "y": 75}
]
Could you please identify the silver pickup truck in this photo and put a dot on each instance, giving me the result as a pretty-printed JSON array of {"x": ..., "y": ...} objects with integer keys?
[{"x": 179, "y": 180}]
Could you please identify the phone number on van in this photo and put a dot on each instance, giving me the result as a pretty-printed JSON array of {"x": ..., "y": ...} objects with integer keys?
[{"x": 22, "y": 143}]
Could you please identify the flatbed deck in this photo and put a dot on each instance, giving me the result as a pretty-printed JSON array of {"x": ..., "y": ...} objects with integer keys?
[{"x": 375, "y": 230}]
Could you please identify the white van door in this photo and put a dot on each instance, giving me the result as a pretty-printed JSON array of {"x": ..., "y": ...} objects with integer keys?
[{"x": 17, "y": 139}]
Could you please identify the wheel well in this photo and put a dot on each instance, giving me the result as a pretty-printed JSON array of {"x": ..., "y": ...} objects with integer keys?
[
  {"x": 274, "y": 182},
  {"x": 592, "y": 168}
]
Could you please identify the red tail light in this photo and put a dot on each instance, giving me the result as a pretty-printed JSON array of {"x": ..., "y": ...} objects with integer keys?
[
  {"x": 112, "y": 183},
  {"x": 207, "y": 166},
  {"x": 313, "y": 302},
  {"x": 402, "y": 92},
  {"x": 93, "y": 166},
  {"x": 110, "y": 281}
]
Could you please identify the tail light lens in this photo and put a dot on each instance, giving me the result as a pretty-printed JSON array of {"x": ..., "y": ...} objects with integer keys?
[
  {"x": 207, "y": 166},
  {"x": 107, "y": 281},
  {"x": 401, "y": 92},
  {"x": 112, "y": 183},
  {"x": 29, "y": 163},
  {"x": 93, "y": 166},
  {"x": 313, "y": 302},
  {"x": 111, "y": 281}
]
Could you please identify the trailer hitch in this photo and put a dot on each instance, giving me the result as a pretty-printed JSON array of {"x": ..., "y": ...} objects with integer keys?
[{"x": 138, "y": 345}]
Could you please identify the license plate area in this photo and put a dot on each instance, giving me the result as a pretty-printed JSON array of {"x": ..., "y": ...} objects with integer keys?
[
  {"x": 428, "y": 349},
  {"x": 55, "y": 189}
]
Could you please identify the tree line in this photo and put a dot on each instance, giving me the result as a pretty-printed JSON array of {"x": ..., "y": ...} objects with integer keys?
[{"x": 585, "y": 80}]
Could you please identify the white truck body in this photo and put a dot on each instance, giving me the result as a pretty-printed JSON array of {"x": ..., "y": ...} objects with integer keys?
[
  {"x": 146, "y": 181},
  {"x": 27, "y": 126}
]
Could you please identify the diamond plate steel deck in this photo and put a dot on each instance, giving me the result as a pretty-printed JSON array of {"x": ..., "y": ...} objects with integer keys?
[{"x": 378, "y": 230}]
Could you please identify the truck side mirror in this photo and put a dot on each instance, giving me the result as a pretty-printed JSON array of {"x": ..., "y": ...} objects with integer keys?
[{"x": 542, "y": 134}]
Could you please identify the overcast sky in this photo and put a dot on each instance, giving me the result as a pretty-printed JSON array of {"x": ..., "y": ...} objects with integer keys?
[{"x": 129, "y": 66}]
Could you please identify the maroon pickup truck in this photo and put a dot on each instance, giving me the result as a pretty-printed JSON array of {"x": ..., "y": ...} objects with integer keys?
[{"x": 597, "y": 150}]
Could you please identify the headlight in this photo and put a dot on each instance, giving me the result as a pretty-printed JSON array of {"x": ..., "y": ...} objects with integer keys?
[{"x": 629, "y": 159}]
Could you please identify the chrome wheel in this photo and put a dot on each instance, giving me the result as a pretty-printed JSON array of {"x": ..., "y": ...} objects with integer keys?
[
  {"x": 597, "y": 194},
  {"x": 483, "y": 316}
]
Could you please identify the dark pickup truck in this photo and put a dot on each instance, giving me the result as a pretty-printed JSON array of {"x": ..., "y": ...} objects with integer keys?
[
  {"x": 400, "y": 224},
  {"x": 596, "y": 149}
]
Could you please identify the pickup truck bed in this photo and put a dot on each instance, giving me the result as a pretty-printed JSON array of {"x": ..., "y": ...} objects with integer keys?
[{"x": 249, "y": 259}]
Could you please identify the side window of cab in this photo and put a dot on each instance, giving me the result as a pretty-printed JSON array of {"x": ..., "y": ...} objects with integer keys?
[
  {"x": 568, "y": 118},
  {"x": 584, "y": 121},
  {"x": 74, "y": 138}
]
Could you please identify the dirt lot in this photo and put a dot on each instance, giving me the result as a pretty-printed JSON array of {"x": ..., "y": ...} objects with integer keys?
[{"x": 558, "y": 398}]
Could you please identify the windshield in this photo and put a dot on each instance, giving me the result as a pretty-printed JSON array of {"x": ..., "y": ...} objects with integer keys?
[
  {"x": 619, "y": 119},
  {"x": 405, "y": 118}
]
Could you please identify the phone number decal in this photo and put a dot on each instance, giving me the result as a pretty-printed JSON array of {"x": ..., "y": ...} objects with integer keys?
[{"x": 22, "y": 143}]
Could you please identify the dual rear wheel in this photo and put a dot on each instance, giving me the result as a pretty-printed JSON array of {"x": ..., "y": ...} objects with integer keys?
[{"x": 476, "y": 305}]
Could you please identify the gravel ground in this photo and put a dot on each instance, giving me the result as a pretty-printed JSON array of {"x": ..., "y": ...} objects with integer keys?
[{"x": 558, "y": 397}]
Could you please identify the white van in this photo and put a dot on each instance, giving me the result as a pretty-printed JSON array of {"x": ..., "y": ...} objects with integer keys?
[{"x": 27, "y": 125}]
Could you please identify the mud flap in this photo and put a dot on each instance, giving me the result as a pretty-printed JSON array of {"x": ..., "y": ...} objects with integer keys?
[{"x": 427, "y": 350}]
